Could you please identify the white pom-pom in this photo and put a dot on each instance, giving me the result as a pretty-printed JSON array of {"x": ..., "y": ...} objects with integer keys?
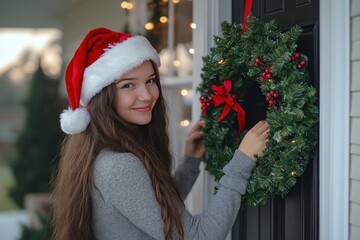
[{"x": 74, "y": 121}]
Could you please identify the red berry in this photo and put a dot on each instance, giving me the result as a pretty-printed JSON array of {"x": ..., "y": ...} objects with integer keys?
[
  {"x": 276, "y": 95},
  {"x": 297, "y": 55},
  {"x": 303, "y": 62},
  {"x": 300, "y": 66},
  {"x": 258, "y": 60},
  {"x": 269, "y": 75}
]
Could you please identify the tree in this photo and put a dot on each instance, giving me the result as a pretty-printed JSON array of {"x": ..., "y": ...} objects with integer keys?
[{"x": 38, "y": 143}]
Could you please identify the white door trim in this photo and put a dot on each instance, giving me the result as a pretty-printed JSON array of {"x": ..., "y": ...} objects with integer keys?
[{"x": 334, "y": 118}]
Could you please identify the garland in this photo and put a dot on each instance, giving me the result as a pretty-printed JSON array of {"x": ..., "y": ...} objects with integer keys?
[{"x": 265, "y": 56}]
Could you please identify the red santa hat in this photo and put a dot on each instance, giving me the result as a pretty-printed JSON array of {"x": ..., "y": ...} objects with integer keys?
[{"x": 102, "y": 57}]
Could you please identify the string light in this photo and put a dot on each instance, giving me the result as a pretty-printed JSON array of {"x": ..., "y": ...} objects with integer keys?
[
  {"x": 176, "y": 1},
  {"x": 191, "y": 50},
  {"x": 163, "y": 19},
  {"x": 221, "y": 61},
  {"x": 184, "y": 92},
  {"x": 293, "y": 142},
  {"x": 193, "y": 25},
  {"x": 127, "y": 5},
  {"x": 293, "y": 173},
  {"x": 130, "y": 6},
  {"x": 176, "y": 63},
  {"x": 149, "y": 26},
  {"x": 184, "y": 123},
  {"x": 124, "y": 4}
]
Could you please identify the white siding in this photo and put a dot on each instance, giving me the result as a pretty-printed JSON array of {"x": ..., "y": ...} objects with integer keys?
[{"x": 355, "y": 123}]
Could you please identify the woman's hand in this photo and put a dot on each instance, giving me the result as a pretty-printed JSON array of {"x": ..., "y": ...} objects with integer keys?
[
  {"x": 254, "y": 142},
  {"x": 194, "y": 146}
]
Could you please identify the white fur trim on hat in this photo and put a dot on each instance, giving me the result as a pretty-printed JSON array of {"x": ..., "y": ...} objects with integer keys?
[
  {"x": 115, "y": 62},
  {"x": 74, "y": 121}
]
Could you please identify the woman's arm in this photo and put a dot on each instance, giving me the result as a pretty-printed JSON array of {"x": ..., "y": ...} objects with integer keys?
[{"x": 186, "y": 174}]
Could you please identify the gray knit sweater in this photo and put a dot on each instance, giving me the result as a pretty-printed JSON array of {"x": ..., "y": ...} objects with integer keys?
[{"x": 124, "y": 204}]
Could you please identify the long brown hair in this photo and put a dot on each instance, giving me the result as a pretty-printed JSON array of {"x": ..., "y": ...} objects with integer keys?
[{"x": 71, "y": 198}]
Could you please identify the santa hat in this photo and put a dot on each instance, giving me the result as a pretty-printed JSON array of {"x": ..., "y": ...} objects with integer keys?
[{"x": 102, "y": 57}]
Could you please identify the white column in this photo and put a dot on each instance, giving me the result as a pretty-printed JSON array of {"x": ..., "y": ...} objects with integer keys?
[{"x": 334, "y": 119}]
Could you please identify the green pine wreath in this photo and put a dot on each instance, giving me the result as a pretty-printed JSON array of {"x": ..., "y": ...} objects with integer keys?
[{"x": 268, "y": 57}]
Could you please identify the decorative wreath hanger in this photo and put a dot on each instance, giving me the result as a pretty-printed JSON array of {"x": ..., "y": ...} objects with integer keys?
[{"x": 259, "y": 53}]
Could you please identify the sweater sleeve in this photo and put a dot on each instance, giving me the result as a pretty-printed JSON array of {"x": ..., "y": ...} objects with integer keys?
[
  {"x": 186, "y": 174},
  {"x": 216, "y": 220}
]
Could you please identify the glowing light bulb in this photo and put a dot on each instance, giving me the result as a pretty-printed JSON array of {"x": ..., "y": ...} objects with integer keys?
[
  {"x": 176, "y": 63},
  {"x": 184, "y": 92},
  {"x": 163, "y": 19},
  {"x": 193, "y": 25},
  {"x": 185, "y": 123},
  {"x": 149, "y": 26},
  {"x": 124, "y": 4},
  {"x": 130, "y": 6},
  {"x": 191, "y": 50}
]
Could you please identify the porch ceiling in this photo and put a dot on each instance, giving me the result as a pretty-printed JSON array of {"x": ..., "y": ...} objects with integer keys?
[{"x": 32, "y": 13}]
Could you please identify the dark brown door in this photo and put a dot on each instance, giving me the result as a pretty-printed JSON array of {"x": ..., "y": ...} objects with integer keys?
[{"x": 296, "y": 216}]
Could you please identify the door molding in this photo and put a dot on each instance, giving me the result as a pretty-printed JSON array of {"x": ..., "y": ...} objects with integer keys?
[{"x": 334, "y": 118}]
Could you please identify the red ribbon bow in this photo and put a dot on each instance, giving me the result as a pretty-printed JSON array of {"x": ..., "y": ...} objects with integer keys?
[{"x": 222, "y": 95}]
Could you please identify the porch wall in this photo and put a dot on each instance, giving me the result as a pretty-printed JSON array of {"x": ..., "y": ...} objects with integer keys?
[{"x": 355, "y": 123}]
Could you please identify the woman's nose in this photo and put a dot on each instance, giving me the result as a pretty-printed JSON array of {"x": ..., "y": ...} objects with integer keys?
[{"x": 144, "y": 94}]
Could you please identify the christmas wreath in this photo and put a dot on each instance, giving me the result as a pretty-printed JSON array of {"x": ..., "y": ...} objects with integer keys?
[{"x": 268, "y": 57}]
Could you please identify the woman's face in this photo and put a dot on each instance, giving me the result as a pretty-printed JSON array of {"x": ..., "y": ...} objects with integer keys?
[{"x": 136, "y": 94}]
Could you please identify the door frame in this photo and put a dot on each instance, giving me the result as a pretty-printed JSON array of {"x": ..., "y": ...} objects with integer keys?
[
  {"x": 334, "y": 119},
  {"x": 334, "y": 102}
]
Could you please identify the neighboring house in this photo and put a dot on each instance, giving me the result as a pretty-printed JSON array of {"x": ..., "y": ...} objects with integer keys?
[{"x": 337, "y": 203}]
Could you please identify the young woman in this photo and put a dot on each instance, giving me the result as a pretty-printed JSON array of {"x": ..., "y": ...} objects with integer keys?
[{"x": 114, "y": 179}]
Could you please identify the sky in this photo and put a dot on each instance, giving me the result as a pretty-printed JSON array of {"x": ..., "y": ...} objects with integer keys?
[{"x": 14, "y": 41}]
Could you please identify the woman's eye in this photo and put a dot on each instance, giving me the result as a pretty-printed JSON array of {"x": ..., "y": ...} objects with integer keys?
[
  {"x": 128, "y": 85},
  {"x": 150, "y": 81}
]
